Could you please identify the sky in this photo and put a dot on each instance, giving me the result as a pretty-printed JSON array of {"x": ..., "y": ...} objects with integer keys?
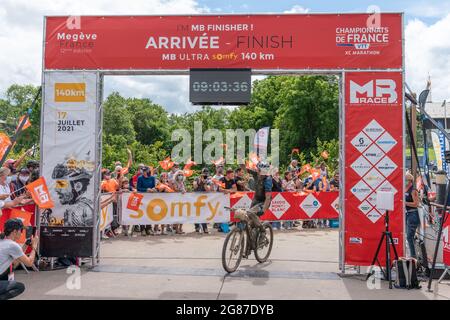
[{"x": 427, "y": 26}]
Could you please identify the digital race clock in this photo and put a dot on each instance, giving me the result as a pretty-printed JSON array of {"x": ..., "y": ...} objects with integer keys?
[{"x": 220, "y": 86}]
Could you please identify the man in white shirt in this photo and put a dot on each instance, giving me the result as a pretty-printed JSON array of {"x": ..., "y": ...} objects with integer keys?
[
  {"x": 12, "y": 254},
  {"x": 5, "y": 191}
]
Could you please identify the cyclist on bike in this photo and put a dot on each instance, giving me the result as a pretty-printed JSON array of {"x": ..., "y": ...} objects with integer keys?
[{"x": 263, "y": 193}]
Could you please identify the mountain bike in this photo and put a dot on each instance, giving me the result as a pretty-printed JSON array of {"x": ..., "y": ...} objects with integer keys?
[{"x": 243, "y": 239}]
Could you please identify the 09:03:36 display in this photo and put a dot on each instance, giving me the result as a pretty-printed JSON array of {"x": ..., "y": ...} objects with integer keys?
[{"x": 220, "y": 86}]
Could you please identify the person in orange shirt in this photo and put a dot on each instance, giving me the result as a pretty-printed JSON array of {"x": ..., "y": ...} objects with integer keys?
[{"x": 111, "y": 185}]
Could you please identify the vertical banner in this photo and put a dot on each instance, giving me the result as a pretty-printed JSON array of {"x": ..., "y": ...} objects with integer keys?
[
  {"x": 68, "y": 156},
  {"x": 442, "y": 148},
  {"x": 373, "y": 162},
  {"x": 446, "y": 241},
  {"x": 437, "y": 150},
  {"x": 260, "y": 142}
]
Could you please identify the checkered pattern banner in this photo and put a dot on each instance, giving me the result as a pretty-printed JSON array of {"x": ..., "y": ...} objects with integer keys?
[{"x": 294, "y": 205}]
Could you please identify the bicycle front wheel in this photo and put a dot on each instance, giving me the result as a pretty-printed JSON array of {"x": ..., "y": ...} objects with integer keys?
[
  {"x": 264, "y": 244},
  {"x": 233, "y": 249}
]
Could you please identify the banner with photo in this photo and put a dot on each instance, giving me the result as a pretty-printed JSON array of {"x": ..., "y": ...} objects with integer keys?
[
  {"x": 68, "y": 147},
  {"x": 68, "y": 162},
  {"x": 168, "y": 208}
]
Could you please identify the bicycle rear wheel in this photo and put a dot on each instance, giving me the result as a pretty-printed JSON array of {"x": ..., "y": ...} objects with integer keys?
[
  {"x": 264, "y": 244},
  {"x": 233, "y": 249}
]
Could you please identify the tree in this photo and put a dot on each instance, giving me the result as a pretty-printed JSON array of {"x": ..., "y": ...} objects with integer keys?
[
  {"x": 150, "y": 121},
  {"x": 303, "y": 108},
  {"x": 309, "y": 110},
  {"x": 18, "y": 101},
  {"x": 117, "y": 118}
]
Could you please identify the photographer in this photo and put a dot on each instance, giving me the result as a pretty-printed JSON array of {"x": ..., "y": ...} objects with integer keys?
[
  {"x": 203, "y": 183},
  {"x": 11, "y": 254}
]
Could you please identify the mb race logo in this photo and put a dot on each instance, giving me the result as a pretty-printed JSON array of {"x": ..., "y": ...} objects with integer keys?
[
  {"x": 378, "y": 92},
  {"x": 70, "y": 92}
]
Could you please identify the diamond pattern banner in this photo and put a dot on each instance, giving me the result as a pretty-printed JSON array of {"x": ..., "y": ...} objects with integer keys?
[
  {"x": 373, "y": 160},
  {"x": 373, "y": 166},
  {"x": 294, "y": 205}
]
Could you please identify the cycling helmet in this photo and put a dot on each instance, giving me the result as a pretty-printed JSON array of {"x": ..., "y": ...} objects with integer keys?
[
  {"x": 74, "y": 175},
  {"x": 33, "y": 164},
  {"x": 263, "y": 168}
]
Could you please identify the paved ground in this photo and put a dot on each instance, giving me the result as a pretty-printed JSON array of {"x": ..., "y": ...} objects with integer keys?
[{"x": 303, "y": 265}]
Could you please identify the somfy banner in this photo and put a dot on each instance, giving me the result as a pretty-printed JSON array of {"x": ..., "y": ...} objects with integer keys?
[
  {"x": 279, "y": 41},
  {"x": 106, "y": 214},
  {"x": 168, "y": 208}
]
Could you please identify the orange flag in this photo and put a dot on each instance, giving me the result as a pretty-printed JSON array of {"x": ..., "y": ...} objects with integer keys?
[
  {"x": 189, "y": 164},
  {"x": 324, "y": 154},
  {"x": 237, "y": 195},
  {"x": 250, "y": 165},
  {"x": 187, "y": 172},
  {"x": 315, "y": 174},
  {"x": 166, "y": 164},
  {"x": 217, "y": 182},
  {"x": 134, "y": 201},
  {"x": 218, "y": 161},
  {"x": 4, "y": 144},
  {"x": 305, "y": 168},
  {"x": 39, "y": 193},
  {"x": 253, "y": 157},
  {"x": 26, "y": 125},
  {"x": 161, "y": 187},
  {"x": 25, "y": 217}
]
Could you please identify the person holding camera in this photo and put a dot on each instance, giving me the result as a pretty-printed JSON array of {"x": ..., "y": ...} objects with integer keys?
[
  {"x": 203, "y": 183},
  {"x": 11, "y": 254}
]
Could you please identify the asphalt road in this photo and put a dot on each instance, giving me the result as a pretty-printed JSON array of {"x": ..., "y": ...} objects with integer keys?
[{"x": 303, "y": 265}]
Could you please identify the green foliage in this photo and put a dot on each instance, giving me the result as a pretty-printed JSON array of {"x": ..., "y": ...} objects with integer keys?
[
  {"x": 150, "y": 121},
  {"x": 18, "y": 100},
  {"x": 117, "y": 118},
  {"x": 332, "y": 147},
  {"x": 309, "y": 110},
  {"x": 303, "y": 108}
]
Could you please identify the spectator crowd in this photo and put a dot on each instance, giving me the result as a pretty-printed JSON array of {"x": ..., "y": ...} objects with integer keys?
[{"x": 170, "y": 176}]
